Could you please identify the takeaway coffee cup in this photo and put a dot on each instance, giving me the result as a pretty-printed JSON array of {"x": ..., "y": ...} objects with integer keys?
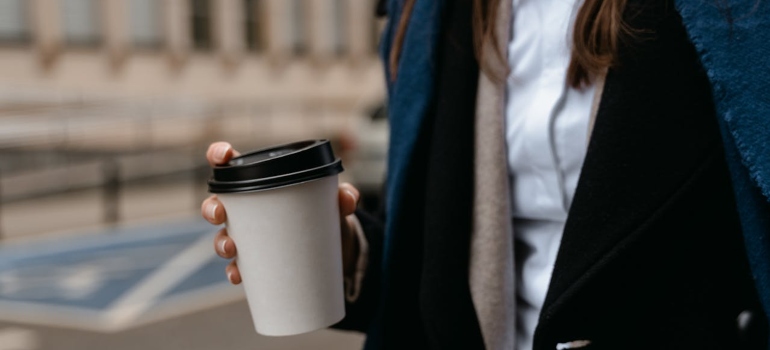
[{"x": 283, "y": 215}]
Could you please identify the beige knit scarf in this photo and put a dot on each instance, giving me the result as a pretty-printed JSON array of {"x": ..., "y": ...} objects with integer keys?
[{"x": 491, "y": 270}]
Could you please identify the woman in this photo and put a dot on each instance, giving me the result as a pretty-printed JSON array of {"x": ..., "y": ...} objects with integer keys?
[{"x": 575, "y": 194}]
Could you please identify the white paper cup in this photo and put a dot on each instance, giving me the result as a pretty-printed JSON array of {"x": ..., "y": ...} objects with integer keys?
[{"x": 288, "y": 241}]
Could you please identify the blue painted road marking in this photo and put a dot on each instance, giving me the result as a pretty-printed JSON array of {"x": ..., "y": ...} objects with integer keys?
[{"x": 114, "y": 279}]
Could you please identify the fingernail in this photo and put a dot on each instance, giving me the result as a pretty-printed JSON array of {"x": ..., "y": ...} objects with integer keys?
[
  {"x": 211, "y": 211},
  {"x": 230, "y": 276},
  {"x": 222, "y": 247},
  {"x": 352, "y": 195},
  {"x": 220, "y": 153}
]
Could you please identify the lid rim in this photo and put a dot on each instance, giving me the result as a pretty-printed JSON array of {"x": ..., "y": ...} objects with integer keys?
[
  {"x": 260, "y": 188},
  {"x": 270, "y": 167},
  {"x": 245, "y": 182},
  {"x": 276, "y": 181}
]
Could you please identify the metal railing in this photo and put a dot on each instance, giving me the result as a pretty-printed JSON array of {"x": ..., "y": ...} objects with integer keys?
[{"x": 109, "y": 145}]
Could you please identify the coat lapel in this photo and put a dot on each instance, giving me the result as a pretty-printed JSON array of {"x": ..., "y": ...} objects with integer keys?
[
  {"x": 654, "y": 128},
  {"x": 731, "y": 52}
]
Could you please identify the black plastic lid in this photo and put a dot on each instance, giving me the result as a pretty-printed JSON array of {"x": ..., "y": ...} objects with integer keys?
[{"x": 275, "y": 167}]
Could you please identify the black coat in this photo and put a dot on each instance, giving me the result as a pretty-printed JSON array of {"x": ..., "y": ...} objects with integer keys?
[{"x": 652, "y": 255}]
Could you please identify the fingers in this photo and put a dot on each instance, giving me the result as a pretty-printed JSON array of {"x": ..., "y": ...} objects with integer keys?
[
  {"x": 213, "y": 211},
  {"x": 220, "y": 153},
  {"x": 224, "y": 245},
  {"x": 233, "y": 275},
  {"x": 348, "y": 196}
]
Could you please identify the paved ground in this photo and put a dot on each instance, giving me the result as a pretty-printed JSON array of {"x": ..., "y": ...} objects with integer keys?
[
  {"x": 151, "y": 286},
  {"x": 227, "y": 328}
]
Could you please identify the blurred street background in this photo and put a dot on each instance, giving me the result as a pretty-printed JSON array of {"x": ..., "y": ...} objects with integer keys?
[{"x": 106, "y": 110}]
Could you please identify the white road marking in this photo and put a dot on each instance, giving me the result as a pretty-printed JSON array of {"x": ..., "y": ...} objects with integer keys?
[
  {"x": 141, "y": 297},
  {"x": 13, "y": 338},
  {"x": 81, "y": 283}
]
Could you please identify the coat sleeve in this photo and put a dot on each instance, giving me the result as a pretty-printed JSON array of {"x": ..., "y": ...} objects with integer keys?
[{"x": 361, "y": 305}]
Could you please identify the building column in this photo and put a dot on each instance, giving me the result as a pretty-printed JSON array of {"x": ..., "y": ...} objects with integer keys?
[
  {"x": 278, "y": 17},
  {"x": 360, "y": 15},
  {"x": 321, "y": 27},
  {"x": 115, "y": 26},
  {"x": 176, "y": 17},
  {"x": 229, "y": 36},
  {"x": 46, "y": 31}
]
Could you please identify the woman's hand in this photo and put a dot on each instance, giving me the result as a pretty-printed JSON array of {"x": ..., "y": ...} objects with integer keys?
[{"x": 213, "y": 211}]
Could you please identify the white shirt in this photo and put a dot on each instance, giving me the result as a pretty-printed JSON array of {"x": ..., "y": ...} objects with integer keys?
[{"x": 546, "y": 131}]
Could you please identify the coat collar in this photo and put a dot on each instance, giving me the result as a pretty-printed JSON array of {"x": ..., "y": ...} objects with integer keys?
[
  {"x": 410, "y": 97},
  {"x": 731, "y": 52}
]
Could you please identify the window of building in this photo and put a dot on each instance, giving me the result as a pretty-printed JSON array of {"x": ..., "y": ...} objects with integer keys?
[
  {"x": 80, "y": 21},
  {"x": 201, "y": 17},
  {"x": 298, "y": 36},
  {"x": 145, "y": 23},
  {"x": 14, "y": 24},
  {"x": 253, "y": 25}
]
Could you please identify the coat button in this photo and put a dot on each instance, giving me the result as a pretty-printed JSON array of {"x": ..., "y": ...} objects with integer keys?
[{"x": 752, "y": 329}]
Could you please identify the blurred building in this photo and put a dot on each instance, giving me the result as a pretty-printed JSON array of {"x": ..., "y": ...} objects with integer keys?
[
  {"x": 220, "y": 50},
  {"x": 103, "y": 94}
]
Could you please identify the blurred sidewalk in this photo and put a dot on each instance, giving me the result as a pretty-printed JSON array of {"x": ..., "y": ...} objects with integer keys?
[
  {"x": 226, "y": 328},
  {"x": 151, "y": 286}
]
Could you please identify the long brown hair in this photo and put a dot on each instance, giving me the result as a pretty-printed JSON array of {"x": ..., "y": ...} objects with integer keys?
[
  {"x": 598, "y": 30},
  {"x": 597, "y": 34}
]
